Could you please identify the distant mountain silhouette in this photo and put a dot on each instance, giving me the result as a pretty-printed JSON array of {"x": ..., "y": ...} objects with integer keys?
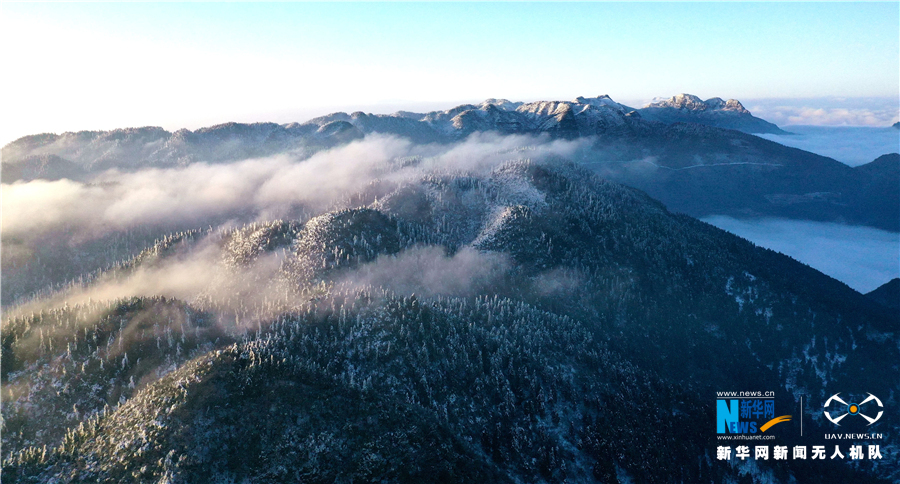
[
  {"x": 687, "y": 108},
  {"x": 693, "y": 167}
]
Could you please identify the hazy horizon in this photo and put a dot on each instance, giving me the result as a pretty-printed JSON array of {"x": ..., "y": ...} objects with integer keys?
[
  {"x": 196, "y": 64},
  {"x": 867, "y": 113}
]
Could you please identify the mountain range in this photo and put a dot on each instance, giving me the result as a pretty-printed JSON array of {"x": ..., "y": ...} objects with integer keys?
[{"x": 683, "y": 151}]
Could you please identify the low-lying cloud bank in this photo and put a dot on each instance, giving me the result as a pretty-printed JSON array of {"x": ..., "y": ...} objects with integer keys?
[
  {"x": 861, "y": 257},
  {"x": 254, "y": 189},
  {"x": 851, "y": 145},
  {"x": 195, "y": 273}
]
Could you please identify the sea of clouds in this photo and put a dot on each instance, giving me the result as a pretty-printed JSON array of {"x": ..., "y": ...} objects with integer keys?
[
  {"x": 861, "y": 257},
  {"x": 852, "y": 145}
]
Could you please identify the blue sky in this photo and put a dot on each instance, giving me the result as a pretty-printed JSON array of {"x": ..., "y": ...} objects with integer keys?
[{"x": 101, "y": 65}]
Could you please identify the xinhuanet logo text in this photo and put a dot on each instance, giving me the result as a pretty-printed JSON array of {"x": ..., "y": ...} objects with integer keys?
[{"x": 743, "y": 413}]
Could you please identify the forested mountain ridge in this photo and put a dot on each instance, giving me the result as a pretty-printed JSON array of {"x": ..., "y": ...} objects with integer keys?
[
  {"x": 504, "y": 323},
  {"x": 888, "y": 294}
]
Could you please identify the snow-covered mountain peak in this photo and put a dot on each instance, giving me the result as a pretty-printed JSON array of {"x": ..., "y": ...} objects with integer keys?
[
  {"x": 603, "y": 101},
  {"x": 735, "y": 105},
  {"x": 717, "y": 104},
  {"x": 504, "y": 104},
  {"x": 693, "y": 103},
  {"x": 681, "y": 101},
  {"x": 546, "y": 108}
]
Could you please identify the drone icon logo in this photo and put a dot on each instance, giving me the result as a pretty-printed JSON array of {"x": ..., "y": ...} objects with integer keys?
[{"x": 851, "y": 409}]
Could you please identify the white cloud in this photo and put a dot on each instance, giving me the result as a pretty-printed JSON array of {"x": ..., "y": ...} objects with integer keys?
[
  {"x": 875, "y": 112},
  {"x": 851, "y": 145},
  {"x": 428, "y": 272},
  {"x": 265, "y": 188},
  {"x": 861, "y": 257}
]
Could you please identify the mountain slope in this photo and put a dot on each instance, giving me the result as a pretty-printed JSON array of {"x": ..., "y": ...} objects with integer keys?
[
  {"x": 480, "y": 402},
  {"x": 887, "y": 294},
  {"x": 702, "y": 171},
  {"x": 879, "y": 192},
  {"x": 547, "y": 300}
]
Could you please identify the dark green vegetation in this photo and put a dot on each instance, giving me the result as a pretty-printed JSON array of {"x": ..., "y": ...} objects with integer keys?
[{"x": 576, "y": 331}]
